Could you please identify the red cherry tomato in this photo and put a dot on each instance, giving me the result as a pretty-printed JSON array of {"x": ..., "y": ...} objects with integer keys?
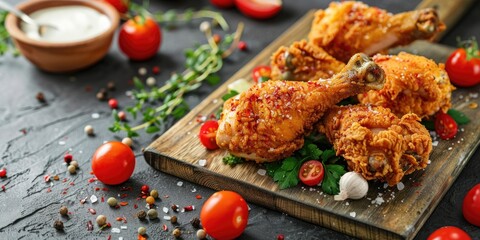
[
  {"x": 224, "y": 215},
  {"x": 121, "y": 5},
  {"x": 261, "y": 73},
  {"x": 113, "y": 163},
  {"x": 259, "y": 9},
  {"x": 208, "y": 133},
  {"x": 140, "y": 38},
  {"x": 463, "y": 65},
  {"x": 223, "y": 3},
  {"x": 445, "y": 126},
  {"x": 449, "y": 233},
  {"x": 311, "y": 173},
  {"x": 471, "y": 206}
]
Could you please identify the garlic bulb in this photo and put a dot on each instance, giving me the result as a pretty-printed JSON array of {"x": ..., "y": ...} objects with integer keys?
[{"x": 353, "y": 186}]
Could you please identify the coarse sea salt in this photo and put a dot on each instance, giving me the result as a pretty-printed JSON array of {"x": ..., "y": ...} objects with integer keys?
[
  {"x": 115, "y": 230},
  {"x": 202, "y": 162},
  {"x": 93, "y": 199},
  {"x": 95, "y": 115},
  {"x": 165, "y": 209},
  {"x": 167, "y": 218},
  {"x": 353, "y": 214},
  {"x": 262, "y": 172},
  {"x": 179, "y": 183},
  {"x": 400, "y": 186},
  {"x": 123, "y": 227}
]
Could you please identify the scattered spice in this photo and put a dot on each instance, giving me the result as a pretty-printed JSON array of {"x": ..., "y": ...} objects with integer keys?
[
  {"x": 92, "y": 211},
  {"x": 141, "y": 215},
  {"x": 195, "y": 222},
  {"x": 112, "y": 202},
  {"x": 68, "y": 158},
  {"x": 198, "y": 196},
  {"x": 111, "y": 86},
  {"x": 173, "y": 219},
  {"x": 64, "y": 211},
  {"x": 72, "y": 169},
  {"x": 3, "y": 188},
  {"x": 145, "y": 189},
  {"x": 102, "y": 94},
  {"x": 150, "y": 200},
  {"x": 216, "y": 38},
  {"x": 280, "y": 237},
  {"x": 123, "y": 204},
  {"x": 56, "y": 178},
  {"x": 89, "y": 226},
  {"x": 3, "y": 172},
  {"x": 473, "y": 105},
  {"x": 142, "y": 231},
  {"x": 101, "y": 220},
  {"x": 164, "y": 228},
  {"x": 74, "y": 163},
  {"x": 142, "y": 71},
  {"x": 242, "y": 46},
  {"x": 46, "y": 178},
  {"x": 113, "y": 103},
  {"x": 156, "y": 70},
  {"x": 176, "y": 232},
  {"x": 122, "y": 116},
  {"x": 175, "y": 208},
  {"x": 89, "y": 130},
  {"x": 151, "y": 81},
  {"x": 201, "y": 234},
  {"x": 58, "y": 225},
  {"x": 189, "y": 208},
  {"x": 40, "y": 97},
  {"x": 154, "y": 193},
  {"x": 152, "y": 213}
]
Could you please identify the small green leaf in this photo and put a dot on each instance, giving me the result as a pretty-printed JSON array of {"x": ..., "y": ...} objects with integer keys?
[
  {"x": 230, "y": 94},
  {"x": 289, "y": 163},
  {"x": 330, "y": 183},
  {"x": 138, "y": 84},
  {"x": 152, "y": 129},
  {"x": 213, "y": 79},
  {"x": 458, "y": 116},
  {"x": 429, "y": 124},
  {"x": 327, "y": 154}
]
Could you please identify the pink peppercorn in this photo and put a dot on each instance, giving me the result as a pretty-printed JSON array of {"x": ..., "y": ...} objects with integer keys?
[
  {"x": 3, "y": 172},
  {"x": 113, "y": 103},
  {"x": 67, "y": 158},
  {"x": 122, "y": 115},
  {"x": 242, "y": 46}
]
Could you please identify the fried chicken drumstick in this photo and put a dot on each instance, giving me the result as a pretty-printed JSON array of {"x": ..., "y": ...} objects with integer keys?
[
  {"x": 346, "y": 28},
  {"x": 376, "y": 143},
  {"x": 268, "y": 122},
  {"x": 303, "y": 61},
  {"x": 414, "y": 84}
]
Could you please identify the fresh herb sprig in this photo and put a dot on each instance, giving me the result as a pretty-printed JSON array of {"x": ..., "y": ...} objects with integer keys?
[
  {"x": 285, "y": 172},
  {"x": 172, "y": 17},
  {"x": 6, "y": 44},
  {"x": 157, "y": 105}
]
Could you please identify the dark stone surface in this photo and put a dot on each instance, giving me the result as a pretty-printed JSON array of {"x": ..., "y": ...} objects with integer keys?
[{"x": 35, "y": 136}]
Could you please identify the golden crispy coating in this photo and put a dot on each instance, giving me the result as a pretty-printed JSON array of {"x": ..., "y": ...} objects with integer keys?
[
  {"x": 303, "y": 61},
  {"x": 414, "y": 84},
  {"x": 376, "y": 143},
  {"x": 346, "y": 28},
  {"x": 269, "y": 121}
]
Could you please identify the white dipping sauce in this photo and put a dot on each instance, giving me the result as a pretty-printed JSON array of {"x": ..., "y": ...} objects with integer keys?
[{"x": 73, "y": 23}]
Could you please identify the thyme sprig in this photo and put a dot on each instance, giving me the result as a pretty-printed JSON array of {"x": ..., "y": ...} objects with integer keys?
[
  {"x": 157, "y": 105},
  {"x": 172, "y": 17}
]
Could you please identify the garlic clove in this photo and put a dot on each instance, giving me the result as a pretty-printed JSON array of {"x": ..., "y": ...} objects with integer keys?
[{"x": 353, "y": 186}]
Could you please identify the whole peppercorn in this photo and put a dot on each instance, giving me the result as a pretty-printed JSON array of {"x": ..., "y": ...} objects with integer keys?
[
  {"x": 152, "y": 213},
  {"x": 40, "y": 97},
  {"x": 68, "y": 158},
  {"x": 141, "y": 215},
  {"x": 58, "y": 225},
  {"x": 195, "y": 222},
  {"x": 72, "y": 169},
  {"x": 154, "y": 193},
  {"x": 88, "y": 130},
  {"x": 122, "y": 115},
  {"x": 63, "y": 211},
  {"x": 145, "y": 188},
  {"x": 242, "y": 46},
  {"x": 74, "y": 163},
  {"x": 111, "y": 85},
  {"x": 112, "y": 202},
  {"x": 176, "y": 232},
  {"x": 151, "y": 81},
  {"x": 113, "y": 103},
  {"x": 102, "y": 94},
  {"x": 280, "y": 237},
  {"x": 150, "y": 200},
  {"x": 175, "y": 208},
  {"x": 101, "y": 220},
  {"x": 201, "y": 234},
  {"x": 142, "y": 231},
  {"x": 3, "y": 172},
  {"x": 127, "y": 141},
  {"x": 174, "y": 219}
]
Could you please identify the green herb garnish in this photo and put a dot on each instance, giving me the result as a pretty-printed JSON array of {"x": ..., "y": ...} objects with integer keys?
[{"x": 232, "y": 160}]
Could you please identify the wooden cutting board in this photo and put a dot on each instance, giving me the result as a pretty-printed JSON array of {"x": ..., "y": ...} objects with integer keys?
[{"x": 400, "y": 216}]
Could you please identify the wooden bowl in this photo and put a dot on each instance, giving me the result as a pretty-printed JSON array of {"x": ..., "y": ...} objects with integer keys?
[{"x": 68, "y": 56}]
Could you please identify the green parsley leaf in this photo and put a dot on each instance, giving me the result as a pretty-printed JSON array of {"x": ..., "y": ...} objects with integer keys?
[
  {"x": 458, "y": 116},
  {"x": 330, "y": 184},
  {"x": 232, "y": 160}
]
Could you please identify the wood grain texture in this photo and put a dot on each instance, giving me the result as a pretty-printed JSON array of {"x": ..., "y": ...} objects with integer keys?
[{"x": 178, "y": 151}]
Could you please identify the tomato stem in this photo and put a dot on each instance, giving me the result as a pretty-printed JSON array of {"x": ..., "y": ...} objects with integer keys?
[{"x": 470, "y": 46}]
